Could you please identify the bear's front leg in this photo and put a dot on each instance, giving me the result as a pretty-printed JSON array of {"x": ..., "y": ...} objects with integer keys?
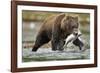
[
  {"x": 55, "y": 38},
  {"x": 57, "y": 45},
  {"x": 54, "y": 44},
  {"x": 60, "y": 45}
]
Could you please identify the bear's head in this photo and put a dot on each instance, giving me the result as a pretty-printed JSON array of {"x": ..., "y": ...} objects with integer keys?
[{"x": 70, "y": 25}]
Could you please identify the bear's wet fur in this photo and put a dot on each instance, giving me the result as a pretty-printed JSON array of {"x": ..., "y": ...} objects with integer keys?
[{"x": 56, "y": 28}]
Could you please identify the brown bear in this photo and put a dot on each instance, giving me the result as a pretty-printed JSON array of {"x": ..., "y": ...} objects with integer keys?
[{"x": 56, "y": 29}]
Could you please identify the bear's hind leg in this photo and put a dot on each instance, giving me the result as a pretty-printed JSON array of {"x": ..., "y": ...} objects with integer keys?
[
  {"x": 35, "y": 47},
  {"x": 40, "y": 40}
]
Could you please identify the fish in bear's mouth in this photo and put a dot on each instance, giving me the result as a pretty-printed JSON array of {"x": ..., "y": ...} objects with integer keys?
[{"x": 75, "y": 39}]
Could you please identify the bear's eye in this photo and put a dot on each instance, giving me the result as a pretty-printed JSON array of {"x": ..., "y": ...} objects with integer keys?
[{"x": 74, "y": 26}]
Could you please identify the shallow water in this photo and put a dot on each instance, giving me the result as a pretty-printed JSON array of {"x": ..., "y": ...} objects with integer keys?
[{"x": 46, "y": 54}]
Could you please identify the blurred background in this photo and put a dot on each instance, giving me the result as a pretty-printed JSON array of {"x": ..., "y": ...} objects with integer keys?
[{"x": 31, "y": 22}]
